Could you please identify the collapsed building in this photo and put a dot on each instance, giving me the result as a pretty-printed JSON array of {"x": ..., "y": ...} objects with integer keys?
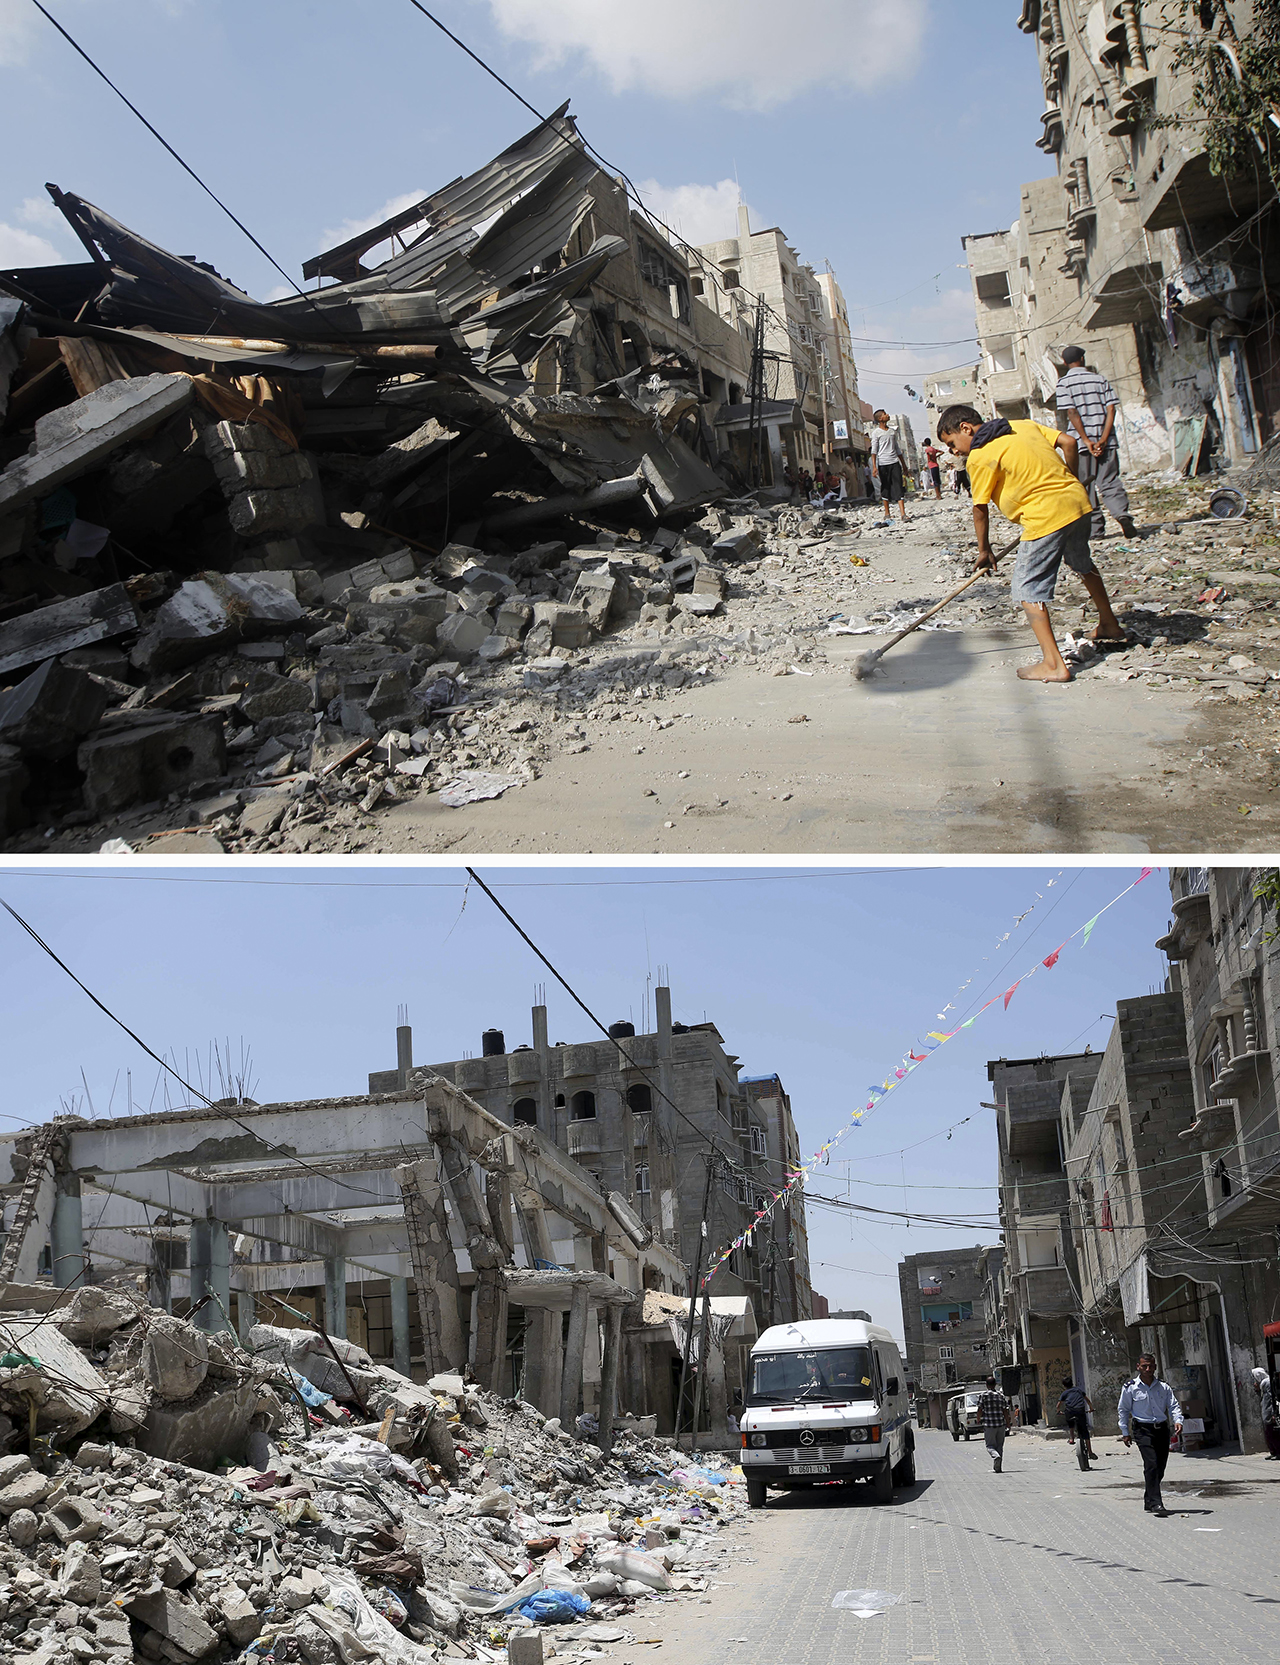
[{"x": 235, "y": 532}]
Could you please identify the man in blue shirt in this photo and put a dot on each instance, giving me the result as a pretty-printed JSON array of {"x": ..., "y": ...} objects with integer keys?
[{"x": 1147, "y": 1407}]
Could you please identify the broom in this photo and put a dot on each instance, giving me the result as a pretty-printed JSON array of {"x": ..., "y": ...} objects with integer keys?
[{"x": 867, "y": 662}]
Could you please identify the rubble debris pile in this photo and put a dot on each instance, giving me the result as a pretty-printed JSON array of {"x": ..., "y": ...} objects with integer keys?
[
  {"x": 170, "y": 1495},
  {"x": 256, "y": 558}
]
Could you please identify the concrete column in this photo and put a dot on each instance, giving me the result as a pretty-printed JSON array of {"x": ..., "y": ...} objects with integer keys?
[
  {"x": 66, "y": 1233},
  {"x": 335, "y": 1295},
  {"x": 211, "y": 1274},
  {"x": 246, "y": 1313},
  {"x": 574, "y": 1347},
  {"x": 609, "y": 1377},
  {"x": 400, "y": 1354}
]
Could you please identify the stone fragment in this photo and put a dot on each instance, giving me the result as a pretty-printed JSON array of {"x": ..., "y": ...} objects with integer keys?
[
  {"x": 593, "y": 594},
  {"x": 93, "y": 1456},
  {"x": 274, "y": 696},
  {"x": 14, "y": 1467},
  {"x": 24, "y": 1493},
  {"x": 50, "y": 710},
  {"x": 512, "y": 618},
  {"x": 210, "y": 612},
  {"x": 174, "y": 1568},
  {"x": 24, "y": 1528},
  {"x": 176, "y": 1620},
  {"x": 92, "y": 1314},
  {"x": 524, "y": 1647},
  {"x": 81, "y": 1579},
  {"x": 239, "y": 1615},
  {"x": 75, "y": 1520},
  {"x": 175, "y": 1357},
  {"x": 462, "y": 634}
]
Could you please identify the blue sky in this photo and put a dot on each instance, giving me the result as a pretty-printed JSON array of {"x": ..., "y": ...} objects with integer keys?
[
  {"x": 824, "y": 980},
  {"x": 875, "y": 132}
]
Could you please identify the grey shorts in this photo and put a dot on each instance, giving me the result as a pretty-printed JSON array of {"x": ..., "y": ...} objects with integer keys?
[{"x": 1035, "y": 571}]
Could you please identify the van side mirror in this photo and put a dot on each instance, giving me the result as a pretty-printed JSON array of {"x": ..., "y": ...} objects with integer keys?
[{"x": 891, "y": 1387}]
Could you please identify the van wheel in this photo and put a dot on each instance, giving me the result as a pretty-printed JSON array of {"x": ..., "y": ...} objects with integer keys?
[
  {"x": 756, "y": 1492},
  {"x": 966, "y": 1433},
  {"x": 905, "y": 1474},
  {"x": 882, "y": 1485},
  {"x": 955, "y": 1437}
]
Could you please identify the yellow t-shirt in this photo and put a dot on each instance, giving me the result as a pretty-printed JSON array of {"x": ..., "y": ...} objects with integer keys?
[{"x": 1024, "y": 475}]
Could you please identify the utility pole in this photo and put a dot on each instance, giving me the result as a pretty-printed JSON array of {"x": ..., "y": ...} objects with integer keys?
[
  {"x": 693, "y": 1291},
  {"x": 755, "y": 426}
]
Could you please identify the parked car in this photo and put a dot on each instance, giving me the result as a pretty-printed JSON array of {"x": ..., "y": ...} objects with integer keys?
[{"x": 963, "y": 1416}]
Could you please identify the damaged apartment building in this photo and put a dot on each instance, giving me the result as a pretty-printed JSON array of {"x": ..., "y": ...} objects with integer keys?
[
  {"x": 532, "y": 1215},
  {"x": 1135, "y": 1183},
  {"x": 491, "y": 432},
  {"x": 1135, "y": 249}
]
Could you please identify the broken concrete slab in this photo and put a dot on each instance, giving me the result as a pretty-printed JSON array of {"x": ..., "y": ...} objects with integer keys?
[
  {"x": 142, "y": 756},
  {"x": 593, "y": 594},
  {"x": 175, "y": 1358},
  {"x": 265, "y": 812},
  {"x": 213, "y": 611},
  {"x": 93, "y": 1314},
  {"x": 270, "y": 695},
  {"x": 461, "y": 634},
  {"x": 178, "y": 1621},
  {"x": 72, "y": 440},
  {"x": 68, "y": 1392},
  {"x": 63, "y": 625},
  {"x": 50, "y": 710},
  {"x": 570, "y": 626}
]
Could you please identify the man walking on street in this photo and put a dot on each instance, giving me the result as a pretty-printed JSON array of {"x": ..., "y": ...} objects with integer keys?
[
  {"x": 1089, "y": 402},
  {"x": 993, "y": 1408},
  {"x": 886, "y": 464},
  {"x": 1147, "y": 1407}
]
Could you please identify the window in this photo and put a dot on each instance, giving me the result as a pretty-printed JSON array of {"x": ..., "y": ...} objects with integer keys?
[
  {"x": 722, "y": 1100},
  {"x": 1210, "y": 1070},
  {"x": 946, "y": 1352},
  {"x": 950, "y": 1371},
  {"x": 642, "y": 1179},
  {"x": 993, "y": 288},
  {"x": 954, "y": 1312},
  {"x": 559, "y": 1101},
  {"x": 661, "y": 273},
  {"x": 943, "y": 389},
  {"x": 815, "y": 303},
  {"x": 761, "y": 1203},
  {"x": 524, "y": 1112},
  {"x": 699, "y": 288},
  {"x": 743, "y": 1194},
  {"x": 639, "y": 1099},
  {"x": 728, "y": 1185},
  {"x": 731, "y": 280},
  {"x": 757, "y": 1141},
  {"x": 583, "y": 1107},
  {"x": 778, "y": 1376}
]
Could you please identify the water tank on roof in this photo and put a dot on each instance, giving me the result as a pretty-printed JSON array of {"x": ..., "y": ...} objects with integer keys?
[
  {"x": 493, "y": 1043},
  {"x": 620, "y": 1030}
]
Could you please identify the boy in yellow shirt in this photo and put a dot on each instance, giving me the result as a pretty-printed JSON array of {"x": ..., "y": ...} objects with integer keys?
[{"x": 1017, "y": 466}]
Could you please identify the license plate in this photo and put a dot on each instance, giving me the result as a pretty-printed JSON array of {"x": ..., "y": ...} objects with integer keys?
[{"x": 809, "y": 1468}]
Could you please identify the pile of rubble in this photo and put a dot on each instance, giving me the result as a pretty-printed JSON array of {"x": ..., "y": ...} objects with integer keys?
[
  {"x": 170, "y": 1495},
  {"x": 266, "y": 553}
]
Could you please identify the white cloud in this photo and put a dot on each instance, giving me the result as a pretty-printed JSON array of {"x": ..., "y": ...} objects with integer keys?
[
  {"x": 352, "y": 228},
  {"x": 40, "y": 211},
  {"x": 19, "y": 23},
  {"x": 24, "y": 248},
  {"x": 948, "y": 317},
  {"x": 698, "y": 213},
  {"x": 748, "y": 52}
]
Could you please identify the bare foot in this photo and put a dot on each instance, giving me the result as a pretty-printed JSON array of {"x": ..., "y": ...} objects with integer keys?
[{"x": 1043, "y": 673}]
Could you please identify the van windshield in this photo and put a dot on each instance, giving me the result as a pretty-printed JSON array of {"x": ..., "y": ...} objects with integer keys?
[{"x": 822, "y": 1373}]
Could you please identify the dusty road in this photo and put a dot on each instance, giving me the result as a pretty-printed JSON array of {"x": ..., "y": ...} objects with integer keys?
[{"x": 1040, "y": 1563}]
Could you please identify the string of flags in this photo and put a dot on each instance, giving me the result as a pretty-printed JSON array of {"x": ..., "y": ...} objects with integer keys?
[{"x": 920, "y": 1052}]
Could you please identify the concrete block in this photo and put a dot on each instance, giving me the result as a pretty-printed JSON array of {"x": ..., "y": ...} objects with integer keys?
[
  {"x": 593, "y": 594},
  {"x": 200, "y": 1431},
  {"x": 24, "y": 1493},
  {"x": 50, "y": 710},
  {"x": 274, "y": 696},
  {"x": 738, "y": 546},
  {"x": 570, "y": 627},
  {"x": 461, "y": 634},
  {"x": 239, "y": 1615},
  {"x": 512, "y": 618},
  {"x": 390, "y": 698},
  {"x": 416, "y": 595},
  {"x": 174, "y": 1567},
  {"x": 708, "y": 580},
  {"x": 81, "y": 1577},
  {"x": 265, "y": 813},
  {"x": 454, "y": 559},
  {"x": 78, "y": 436},
  {"x": 335, "y": 585},
  {"x": 69, "y": 1393},
  {"x": 176, "y": 1620},
  {"x": 138, "y": 756},
  {"x": 497, "y": 647},
  {"x": 701, "y": 606},
  {"x": 367, "y": 575},
  {"x": 75, "y": 1520},
  {"x": 399, "y": 565},
  {"x": 93, "y": 1456},
  {"x": 525, "y": 1648},
  {"x": 210, "y": 612},
  {"x": 13, "y": 1468},
  {"x": 290, "y": 509},
  {"x": 175, "y": 1357},
  {"x": 92, "y": 1314}
]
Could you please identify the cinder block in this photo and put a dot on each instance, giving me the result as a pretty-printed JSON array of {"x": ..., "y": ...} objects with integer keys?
[{"x": 141, "y": 756}]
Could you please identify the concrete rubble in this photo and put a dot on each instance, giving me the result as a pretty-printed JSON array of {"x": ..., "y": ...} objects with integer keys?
[
  {"x": 168, "y": 1494},
  {"x": 293, "y": 535}
]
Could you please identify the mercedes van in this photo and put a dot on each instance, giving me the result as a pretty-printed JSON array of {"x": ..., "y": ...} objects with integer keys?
[{"x": 826, "y": 1401}]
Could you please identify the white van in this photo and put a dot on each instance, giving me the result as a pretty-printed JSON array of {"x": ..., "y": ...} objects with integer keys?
[{"x": 826, "y": 1401}]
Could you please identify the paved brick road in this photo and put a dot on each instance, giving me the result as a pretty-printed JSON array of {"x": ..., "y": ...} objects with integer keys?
[{"x": 1040, "y": 1563}]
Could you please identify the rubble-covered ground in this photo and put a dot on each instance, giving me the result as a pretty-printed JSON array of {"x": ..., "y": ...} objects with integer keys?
[
  {"x": 429, "y": 1522},
  {"x": 718, "y": 711}
]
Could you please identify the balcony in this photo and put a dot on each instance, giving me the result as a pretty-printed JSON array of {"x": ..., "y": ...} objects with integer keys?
[
  {"x": 1243, "y": 1070},
  {"x": 1214, "y": 1125},
  {"x": 584, "y": 1138},
  {"x": 1050, "y": 141},
  {"x": 1252, "y": 1203},
  {"x": 1042, "y": 1193},
  {"x": 1128, "y": 295},
  {"x": 1177, "y": 190},
  {"x": 1007, "y": 387},
  {"x": 523, "y": 1066},
  {"x": 1046, "y": 1292}
]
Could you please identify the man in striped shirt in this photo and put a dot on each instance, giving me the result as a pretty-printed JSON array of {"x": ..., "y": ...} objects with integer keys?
[
  {"x": 993, "y": 1408},
  {"x": 1089, "y": 402}
]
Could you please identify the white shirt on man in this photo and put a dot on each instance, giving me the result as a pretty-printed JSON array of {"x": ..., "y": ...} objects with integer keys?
[
  {"x": 884, "y": 446},
  {"x": 1153, "y": 1401}
]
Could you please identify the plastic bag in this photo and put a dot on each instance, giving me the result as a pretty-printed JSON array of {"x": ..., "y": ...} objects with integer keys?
[
  {"x": 308, "y": 1392},
  {"x": 498, "y": 1502},
  {"x": 865, "y": 1603},
  {"x": 554, "y": 1607},
  {"x": 358, "y": 1632},
  {"x": 488, "y": 1601},
  {"x": 634, "y": 1564}
]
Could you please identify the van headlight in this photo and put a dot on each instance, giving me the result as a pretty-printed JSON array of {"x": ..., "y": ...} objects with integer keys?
[
  {"x": 759, "y": 1439},
  {"x": 857, "y": 1436}
]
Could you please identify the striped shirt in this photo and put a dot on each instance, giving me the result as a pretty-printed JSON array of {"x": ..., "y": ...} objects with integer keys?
[
  {"x": 1088, "y": 394},
  {"x": 993, "y": 1408}
]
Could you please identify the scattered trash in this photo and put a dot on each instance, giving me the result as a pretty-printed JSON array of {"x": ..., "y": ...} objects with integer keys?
[
  {"x": 474, "y": 785},
  {"x": 865, "y": 1603}
]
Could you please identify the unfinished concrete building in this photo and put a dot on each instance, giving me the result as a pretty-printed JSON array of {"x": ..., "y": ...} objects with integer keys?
[{"x": 942, "y": 1322}]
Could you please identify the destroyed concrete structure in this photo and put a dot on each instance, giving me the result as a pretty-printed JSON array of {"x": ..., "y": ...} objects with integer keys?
[{"x": 273, "y": 535}]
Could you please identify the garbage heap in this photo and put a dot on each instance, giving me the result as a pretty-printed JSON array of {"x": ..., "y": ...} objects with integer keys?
[
  {"x": 243, "y": 543},
  {"x": 170, "y": 1495}
]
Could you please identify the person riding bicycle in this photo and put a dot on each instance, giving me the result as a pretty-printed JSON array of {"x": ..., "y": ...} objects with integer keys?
[{"x": 1076, "y": 1410}]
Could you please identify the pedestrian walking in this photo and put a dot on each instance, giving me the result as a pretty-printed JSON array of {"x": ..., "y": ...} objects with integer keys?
[
  {"x": 1089, "y": 402},
  {"x": 1029, "y": 472},
  {"x": 1270, "y": 1424},
  {"x": 886, "y": 464},
  {"x": 1076, "y": 1409},
  {"x": 1148, "y": 1407},
  {"x": 993, "y": 1408},
  {"x": 932, "y": 463}
]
